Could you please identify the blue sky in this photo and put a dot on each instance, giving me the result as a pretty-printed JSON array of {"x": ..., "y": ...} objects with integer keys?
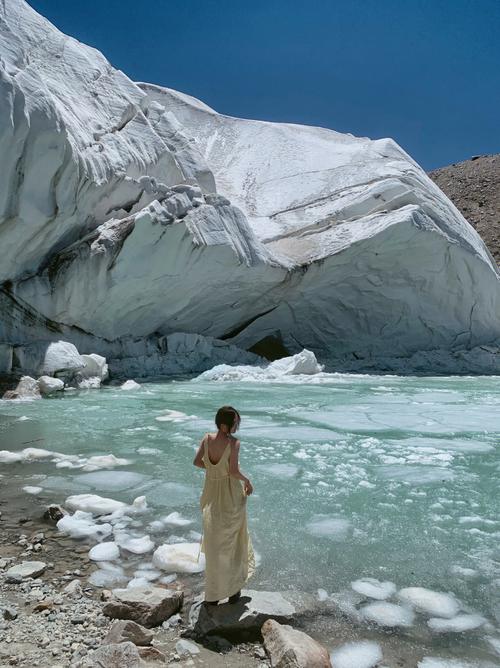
[{"x": 425, "y": 72}]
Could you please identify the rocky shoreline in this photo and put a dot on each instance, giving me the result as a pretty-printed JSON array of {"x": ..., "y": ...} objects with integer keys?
[{"x": 51, "y": 616}]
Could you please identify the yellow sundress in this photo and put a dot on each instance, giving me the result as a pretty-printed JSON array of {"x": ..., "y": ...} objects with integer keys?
[{"x": 229, "y": 555}]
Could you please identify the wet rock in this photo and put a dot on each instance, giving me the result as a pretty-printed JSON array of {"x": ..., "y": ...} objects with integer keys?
[
  {"x": 9, "y": 613},
  {"x": 74, "y": 588},
  {"x": 126, "y": 630},
  {"x": 151, "y": 654},
  {"x": 245, "y": 618},
  {"x": 148, "y": 606},
  {"x": 54, "y": 513},
  {"x": 185, "y": 647},
  {"x": 26, "y": 569},
  {"x": 289, "y": 648},
  {"x": 121, "y": 655}
]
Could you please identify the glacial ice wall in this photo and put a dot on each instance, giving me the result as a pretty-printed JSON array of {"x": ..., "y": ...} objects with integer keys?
[{"x": 130, "y": 211}]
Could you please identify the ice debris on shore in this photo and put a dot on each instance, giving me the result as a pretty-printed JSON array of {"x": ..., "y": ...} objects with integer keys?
[{"x": 303, "y": 363}]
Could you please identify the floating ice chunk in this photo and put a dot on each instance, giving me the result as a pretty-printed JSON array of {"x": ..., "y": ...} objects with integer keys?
[
  {"x": 98, "y": 462},
  {"x": 111, "y": 480},
  {"x": 149, "y": 451},
  {"x": 92, "y": 503},
  {"x": 141, "y": 545},
  {"x": 301, "y": 454},
  {"x": 129, "y": 385},
  {"x": 149, "y": 575},
  {"x": 279, "y": 470},
  {"x": 181, "y": 557},
  {"x": 373, "y": 588},
  {"x": 167, "y": 579},
  {"x": 416, "y": 475},
  {"x": 463, "y": 572},
  {"x": 82, "y": 525},
  {"x": 457, "y": 624},
  {"x": 26, "y": 455},
  {"x": 431, "y": 602},
  {"x": 138, "y": 582},
  {"x": 176, "y": 520},
  {"x": 388, "y": 614},
  {"x": 139, "y": 505},
  {"x": 361, "y": 654},
  {"x": 334, "y": 528},
  {"x": 323, "y": 595},
  {"x": 156, "y": 526},
  {"x": 194, "y": 535},
  {"x": 104, "y": 552},
  {"x": 173, "y": 416},
  {"x": 32, "y": 490},
  {"x": 107, "y": 575},
  {"x": 494, "y": 644}
]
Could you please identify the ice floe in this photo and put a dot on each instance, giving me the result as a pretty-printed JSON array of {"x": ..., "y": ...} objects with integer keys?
[
  {"x": 82, "y": 525},
  {"x": 139, "y": 545},
  {"x": 388, "y": 614},
  {"x": 175, "y": 519},
  {"x": 61, "y": 460},
  {"x": 107, "y": 575},
  {"x": 436, "y": 603},
  {"x": 173, "y": 416},
  {"x": 334, "y": 528},
  {"x": 108, "y": 551},
  {"x": 457, "y": 624},
  {"x": 92, "y": 503},
  {"x": 130, "y": 385},
  {"x": 373, "y": 588},
  {"x": 29, "y": 489},
  {"x": 179, "y": 557},
  {"x": 359, "y": 654}
]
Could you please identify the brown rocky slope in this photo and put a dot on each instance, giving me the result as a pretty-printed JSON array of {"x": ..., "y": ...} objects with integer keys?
[{"x": 474, "y": 188}]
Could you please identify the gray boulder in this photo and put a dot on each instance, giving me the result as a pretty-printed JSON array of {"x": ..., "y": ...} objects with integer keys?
[
  {"x": 121, "y": 655},
  {"x": 245, "y": 618},
  {"x": 148, "y": 606},
  {"x": 26, "y": 569},
  {"x": 289, "y": 648},
  {"x": 128, "y": 631}
]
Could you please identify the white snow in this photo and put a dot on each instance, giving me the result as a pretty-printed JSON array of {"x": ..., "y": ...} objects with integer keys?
[
  {"x": 179, "y": 557},
  {"x": 373, "y": 588},
  {"x": 359, "y": 654},
  {"x": 388, "y": 614},
  {"x": 436, "y": 603},
  {"x": 104, "y": 552}
]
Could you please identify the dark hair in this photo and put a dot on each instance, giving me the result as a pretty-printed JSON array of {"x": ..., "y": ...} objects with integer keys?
[{"x": 226, "y": 415}]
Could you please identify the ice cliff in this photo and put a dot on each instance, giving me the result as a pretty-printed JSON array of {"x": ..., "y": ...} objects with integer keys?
[{"x": 130, "y": 212}]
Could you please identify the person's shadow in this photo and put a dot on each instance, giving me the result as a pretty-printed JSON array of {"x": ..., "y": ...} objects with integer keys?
[{"x": 221, "y": 625}]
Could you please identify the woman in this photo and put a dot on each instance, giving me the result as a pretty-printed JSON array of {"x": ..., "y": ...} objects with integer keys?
[{"x": 229, "y": 556}]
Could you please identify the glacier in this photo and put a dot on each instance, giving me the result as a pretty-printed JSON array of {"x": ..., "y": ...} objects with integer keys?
[{"x": 140, "y": 225}]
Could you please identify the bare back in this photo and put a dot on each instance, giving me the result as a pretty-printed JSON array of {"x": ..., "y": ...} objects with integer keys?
[{"x": 216, "y": 446}]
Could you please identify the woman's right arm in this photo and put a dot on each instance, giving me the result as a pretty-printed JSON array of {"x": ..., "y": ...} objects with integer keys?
[{"x": 234, "y": 467}]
